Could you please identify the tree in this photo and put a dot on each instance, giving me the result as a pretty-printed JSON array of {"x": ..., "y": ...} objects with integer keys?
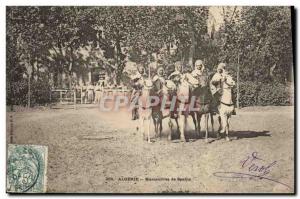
[{"x": 262, "y": 37}]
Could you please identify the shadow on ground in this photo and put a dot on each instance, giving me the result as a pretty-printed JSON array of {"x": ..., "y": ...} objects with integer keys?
[{"x": 192, "y": 135}]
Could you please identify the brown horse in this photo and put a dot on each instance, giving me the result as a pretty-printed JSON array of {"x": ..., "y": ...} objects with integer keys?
[
  {"x": 203, "y": 104},
  {"x": 164, "y": 91},
  {"x": 157, "y": 115}
]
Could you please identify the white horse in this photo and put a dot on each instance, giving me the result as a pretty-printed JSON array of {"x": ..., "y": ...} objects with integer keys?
[
  {"x": 145, "y": 110},
  {"x": 187, "y": 83},
  {"x": 168, "y": 105},
  {"x": 226, "y": 106}
]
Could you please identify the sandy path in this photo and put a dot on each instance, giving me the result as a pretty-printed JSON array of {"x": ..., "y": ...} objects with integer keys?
[{"x": 86, "y": 147}]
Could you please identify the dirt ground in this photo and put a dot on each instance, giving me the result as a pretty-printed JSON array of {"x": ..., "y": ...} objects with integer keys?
[{"x": 93, "y": 151}]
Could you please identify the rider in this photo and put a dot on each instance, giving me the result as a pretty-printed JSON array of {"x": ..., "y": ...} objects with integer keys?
[
  {"x": 199, "y": 69},
  {"x": 177, "y": 74},
  {"x": 159, "y": 79},
  {"x": 137, "y": 85},
  {"x": 216, "y": 83}
]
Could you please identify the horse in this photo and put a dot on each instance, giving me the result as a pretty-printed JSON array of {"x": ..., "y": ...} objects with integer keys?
[
  {"x": 186, "y": 85},
  {"x": 226, "y": 106},
  {"x": 168, "y": 105},
  {"x": 157, "y": 114},
  {"x": 203, "y": 104},
  {"x": 145, "y": 109},
  {"x": 162, "y": 109}
]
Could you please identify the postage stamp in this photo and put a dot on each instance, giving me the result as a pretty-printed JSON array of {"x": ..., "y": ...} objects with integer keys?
[{"x": 26, "y": 168}]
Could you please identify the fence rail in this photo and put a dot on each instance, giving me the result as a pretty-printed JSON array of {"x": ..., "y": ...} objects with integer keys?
[{"x": 70, "y": 96}]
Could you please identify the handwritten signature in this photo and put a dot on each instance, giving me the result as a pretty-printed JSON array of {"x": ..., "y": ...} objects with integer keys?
[{"x": 256, "y": 169}]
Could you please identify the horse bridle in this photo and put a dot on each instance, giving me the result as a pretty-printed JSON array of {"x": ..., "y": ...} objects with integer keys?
[{"x": 229, "y": 87}]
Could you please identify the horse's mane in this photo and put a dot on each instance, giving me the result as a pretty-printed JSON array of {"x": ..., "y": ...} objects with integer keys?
[{"x": 203, "y": 92}]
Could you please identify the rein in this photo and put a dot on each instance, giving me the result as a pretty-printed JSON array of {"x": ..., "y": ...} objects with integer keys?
[
  {"x": 203, "y": 103},
  {"x": 226, "y": 104}
]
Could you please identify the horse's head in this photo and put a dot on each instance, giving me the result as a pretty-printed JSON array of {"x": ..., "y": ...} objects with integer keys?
[
  {"x": 189, "y": 80},
  {"x": 203, "y": 81},
  {"x": 229, "y": 82},
  {"x": 147, "y": 84},
  {"x": 169, "y": 87}
]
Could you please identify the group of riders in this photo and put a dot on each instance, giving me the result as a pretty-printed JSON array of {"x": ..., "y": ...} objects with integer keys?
[{"x": 176, "y": 76}]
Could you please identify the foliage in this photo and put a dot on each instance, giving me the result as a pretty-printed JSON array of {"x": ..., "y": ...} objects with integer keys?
[
  {"x": 17, "y": 95},
  {"x": 261, "y": 38},
  {"x": 249, "y": 93},
  {"x": 41, "y": 90},
  {"x": 71, "y": 39},
  {"x": 254, "y": 93},
  {"x": 274, "y": 94}
]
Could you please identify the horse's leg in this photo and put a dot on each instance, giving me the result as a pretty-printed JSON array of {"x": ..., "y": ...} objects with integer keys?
[
  {"x": 182, "y": 119},
  {"x": 212, "y": 122},
  {"x": 223, "y": 123},
  {"x": 148, "y": 129},
  {"x": 155, "y": 126},
  {"x": 227, "y": 129},
  {"x": 184, "y": 126},
  {"x": 194, "y": 120},
  {"x": 142, "y": 127},
  {"x": 206, "y": 127},
  {"x": 199, "y": 115},
  {"x": 171, "y": 129},
  {"x": 220, "y": 123},
  {"x": 160, "y": 126},
  {"x": 177, "y": 123},
  {"x": 132, "y": 114}
]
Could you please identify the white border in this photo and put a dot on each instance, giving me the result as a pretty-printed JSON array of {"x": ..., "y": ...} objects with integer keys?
[{"x": 295, "y": 3}]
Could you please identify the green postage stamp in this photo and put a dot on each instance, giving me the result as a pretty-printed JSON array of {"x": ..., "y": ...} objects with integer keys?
[{"x": 26, "y": 168}]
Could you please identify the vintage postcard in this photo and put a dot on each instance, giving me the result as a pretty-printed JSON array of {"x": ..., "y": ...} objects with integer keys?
[{"x": 150, "y": 100}]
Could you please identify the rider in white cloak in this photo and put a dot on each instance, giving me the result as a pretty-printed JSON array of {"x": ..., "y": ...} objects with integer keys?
[
  {"x": 199, "y": 69},
  {"x": 177, "y": 75},
  {"x": 159, "y": 80},
  {"x": 216, "y": 85}
]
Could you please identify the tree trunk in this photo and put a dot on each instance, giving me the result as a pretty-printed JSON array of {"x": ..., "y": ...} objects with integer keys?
[
  {"x": 120, "y": 65},
  {"x": 193, "y": 42},
  {"x": 70, "y": 75},
  {"x": 29, "y": 92}
]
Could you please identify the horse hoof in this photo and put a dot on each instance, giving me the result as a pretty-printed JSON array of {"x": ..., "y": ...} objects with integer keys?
[
  {"x": 228, "y": 139},
  {"x": 206, "y": 141}
]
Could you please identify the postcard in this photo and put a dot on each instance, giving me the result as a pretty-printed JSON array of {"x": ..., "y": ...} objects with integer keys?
[{"x": 150, "y": 99}]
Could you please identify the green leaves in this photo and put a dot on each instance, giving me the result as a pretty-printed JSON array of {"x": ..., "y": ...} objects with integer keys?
[{"x": 71, "y": 39}]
